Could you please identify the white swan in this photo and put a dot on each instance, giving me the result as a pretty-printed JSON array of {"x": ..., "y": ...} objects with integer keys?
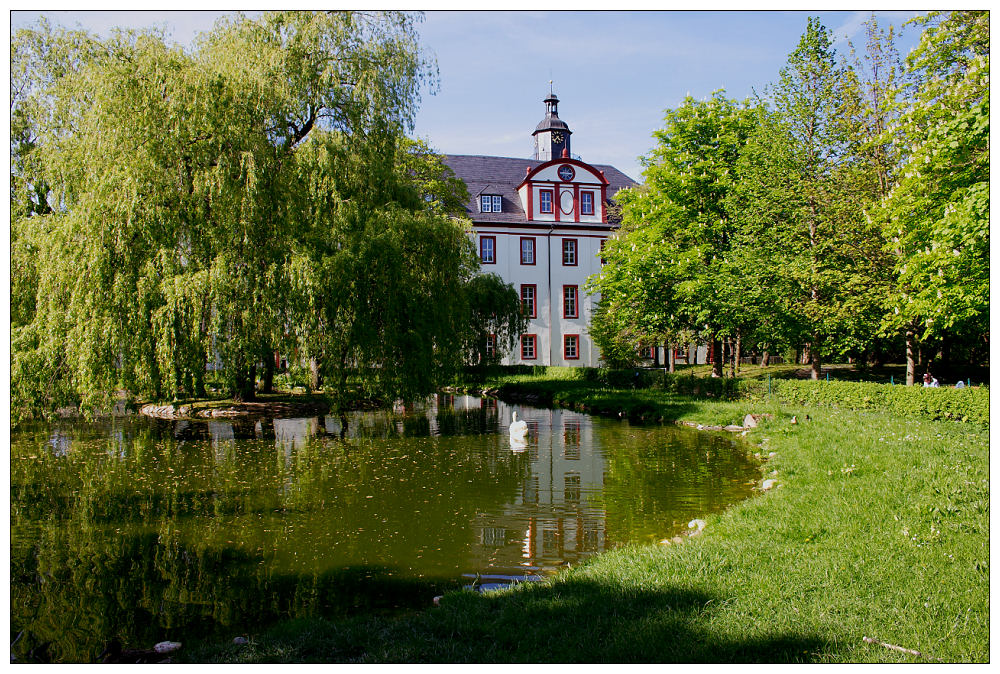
[{"x": 518, "y": 433}]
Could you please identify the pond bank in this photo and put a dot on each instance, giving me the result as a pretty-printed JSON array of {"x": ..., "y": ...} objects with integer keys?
[
  {"x": 280, "y": 405},
  {"x": 877, "y": 535}
]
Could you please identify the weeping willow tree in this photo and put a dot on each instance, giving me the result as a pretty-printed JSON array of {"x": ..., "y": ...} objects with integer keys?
[{"x": 252, "y": 194}]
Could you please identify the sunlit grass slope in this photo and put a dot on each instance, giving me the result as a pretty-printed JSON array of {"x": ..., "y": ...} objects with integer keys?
[{"x": 878, "y": 527}]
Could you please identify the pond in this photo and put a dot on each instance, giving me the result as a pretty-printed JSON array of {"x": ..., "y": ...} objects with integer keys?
[{"x": 143, "y": 530}]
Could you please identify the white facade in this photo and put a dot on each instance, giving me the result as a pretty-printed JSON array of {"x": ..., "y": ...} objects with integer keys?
[
  {"x": 539, "y": 224},
  {"x": 554, "y": 284}
]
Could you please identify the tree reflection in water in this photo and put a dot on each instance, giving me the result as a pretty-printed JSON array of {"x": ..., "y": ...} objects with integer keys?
[{"x": 141, "y": 531}]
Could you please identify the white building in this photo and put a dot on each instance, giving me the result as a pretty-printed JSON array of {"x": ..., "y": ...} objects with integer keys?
[{"x": 540, "y": 224}]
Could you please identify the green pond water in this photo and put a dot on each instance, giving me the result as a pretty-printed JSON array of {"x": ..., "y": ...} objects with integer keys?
[{"x": 143, "y": 530}]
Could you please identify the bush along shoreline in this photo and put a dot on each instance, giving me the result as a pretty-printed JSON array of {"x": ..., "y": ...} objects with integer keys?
[
  {"x": 637, "y": 394},
  {"x": 871, "y": 546}
]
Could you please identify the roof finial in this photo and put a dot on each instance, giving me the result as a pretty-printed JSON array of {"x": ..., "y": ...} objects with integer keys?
[{"x": 550, "y": 87}]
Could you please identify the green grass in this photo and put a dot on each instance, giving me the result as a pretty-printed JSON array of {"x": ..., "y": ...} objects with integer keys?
[{"x": 878, "y": 528}]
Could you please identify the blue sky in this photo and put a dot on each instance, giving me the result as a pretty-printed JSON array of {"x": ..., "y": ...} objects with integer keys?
[{"x": 615, "y": 72}]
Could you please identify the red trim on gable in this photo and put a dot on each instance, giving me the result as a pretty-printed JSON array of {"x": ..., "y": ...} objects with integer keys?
[
  {"x": 604, "y": 202},
  {"x": 576, "y": 203},
  {"x": 560, "y": 160},
  {"x": 531, "y": 189},
  {"x": 557, "y": 201}
]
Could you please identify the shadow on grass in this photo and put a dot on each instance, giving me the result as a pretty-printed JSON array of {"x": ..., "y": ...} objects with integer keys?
[{"x": 577, "y": 620}]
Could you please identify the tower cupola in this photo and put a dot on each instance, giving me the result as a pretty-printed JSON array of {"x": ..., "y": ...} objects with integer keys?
[{"x": 552, "y": 134}]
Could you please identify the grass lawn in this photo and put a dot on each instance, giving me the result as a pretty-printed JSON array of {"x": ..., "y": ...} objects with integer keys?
[{"x": 878, "y": 528}]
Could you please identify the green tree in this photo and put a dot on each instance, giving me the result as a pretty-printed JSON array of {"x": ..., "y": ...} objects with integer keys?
[
  {"x": 495, "y": 315},
  {"x": 664, "y": 269},
  {"x": 803, "y": 192},
  {"x": 937, "y": 214},
  {"x": 255, "y": 194}
]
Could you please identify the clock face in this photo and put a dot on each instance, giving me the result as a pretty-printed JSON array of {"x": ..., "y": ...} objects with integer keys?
[
  {"x": 557, "y": 137},
  {"x": 566, "y": 172}
]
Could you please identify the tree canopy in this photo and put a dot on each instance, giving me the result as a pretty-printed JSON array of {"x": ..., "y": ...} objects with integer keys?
[
  {"x": 846, "y": 206},
  {"x": 253, "y": 194}
]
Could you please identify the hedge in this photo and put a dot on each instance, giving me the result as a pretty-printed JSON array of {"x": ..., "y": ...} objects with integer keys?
[
  {"x": 965, "y": 404},
  {"x": 971, "y": 405}
]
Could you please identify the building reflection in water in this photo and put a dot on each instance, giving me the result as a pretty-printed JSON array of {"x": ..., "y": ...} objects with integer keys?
[{"x": 557, "y": 515}]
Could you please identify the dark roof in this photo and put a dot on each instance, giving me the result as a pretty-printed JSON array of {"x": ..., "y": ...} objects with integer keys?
[
  {"x": 502, "y": 175},
  {"x": 551, "y": 122}
]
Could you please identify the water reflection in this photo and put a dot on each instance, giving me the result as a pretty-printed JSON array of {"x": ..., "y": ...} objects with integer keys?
[{"x": 148, "y": 530}]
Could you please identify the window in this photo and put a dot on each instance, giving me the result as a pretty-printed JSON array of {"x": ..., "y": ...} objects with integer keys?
[
  {"x": 571, "y": 347},
  {"x": 586, "y": 203},
  {"x": 528, "y": 300},
  {"x": 528, "y": 350},
  {"x": 569, "y": 252},
  {"x": 647, "y": 352},
  {"x": 491, "y": 346},
  {"x": 571, "y": 489},
  {"x": 570, "y": 305},
  {"x": 571, "y": 438},
  {"x": 527, "y": 250},
  {"x": 545, "y": 201},
  {"x": 487, "y": 249},
  {"x": 489, "y": 203}
]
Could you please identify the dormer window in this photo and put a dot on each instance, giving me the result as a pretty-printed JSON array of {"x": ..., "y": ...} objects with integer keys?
[
  {"x": 545, "y": 201},
  {"x": 586, "y": 203},
  {"x": 489, "y": 203}
]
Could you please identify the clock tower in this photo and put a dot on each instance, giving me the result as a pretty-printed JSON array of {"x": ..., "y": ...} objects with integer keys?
[{"x": 552, "y": 134}]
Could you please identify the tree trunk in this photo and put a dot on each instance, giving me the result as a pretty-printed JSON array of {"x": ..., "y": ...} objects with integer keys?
[
  {"x": 656, "y": 356},
  {"x": 912, "y": 354},
  {"x": 670, "y": 358},
  {"x": 315, "y": 379},
  {"x": 737, "y": 354},
  {"x": 765, "y": 359},
  {"x": 267, "y": 380},
  {"x": 815, "y": 359},
  {"x": 715, "y": 350},
  {"x": 245, "y": 385},
  {"x": 199, "y": 381}
]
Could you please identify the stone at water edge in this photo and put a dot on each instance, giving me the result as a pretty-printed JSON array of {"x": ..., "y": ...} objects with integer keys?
[
  {"x": 167, "y": 646},
  {"x": 697, "y": 524},
  {"x": 749, "y": 421},
  {"x": 240, "y": 641},
  {"x": 767, "y": 484}
]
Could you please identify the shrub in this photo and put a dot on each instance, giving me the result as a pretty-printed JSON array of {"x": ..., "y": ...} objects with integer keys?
[{"x": 967, "y": 405}]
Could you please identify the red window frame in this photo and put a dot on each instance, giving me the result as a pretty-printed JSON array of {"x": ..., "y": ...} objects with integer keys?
[
  {"x": 566, "y": 339},
  {"x": 534, "y": 298},
  {"x": 534, "y": 250},
  {"x": 482, "y": 259},
  {"x": 541, "y": 201},
  {"x": 583, "y": 203},
  {"x": 575, "y": 313},
  {"x": 576, "y": 252},
  {"x": 534, "y": 346}
]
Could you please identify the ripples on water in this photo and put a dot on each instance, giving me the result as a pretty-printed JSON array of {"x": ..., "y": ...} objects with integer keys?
[{"x": 146, "y": 530}]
